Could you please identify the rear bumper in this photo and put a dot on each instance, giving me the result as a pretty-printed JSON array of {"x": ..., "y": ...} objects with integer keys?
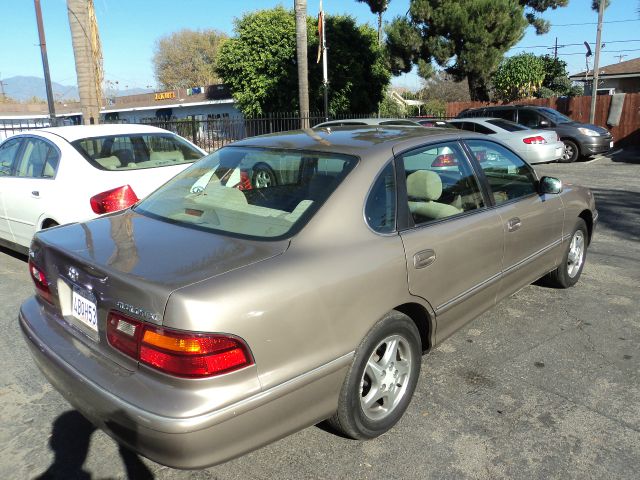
[
  {"x": 543, "y": 153},
  {"x": 188, "y": 442}
]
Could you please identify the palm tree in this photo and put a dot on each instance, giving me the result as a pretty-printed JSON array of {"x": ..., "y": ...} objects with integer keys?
[
  {"x": 377, "y": 7},
  {"x": 303, "y": 71}
]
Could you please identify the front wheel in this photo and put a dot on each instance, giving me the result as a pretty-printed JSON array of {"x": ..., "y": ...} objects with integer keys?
[
  {"x": 569, "y": 271},
  {"x": 571, "y": 152},
  {"x": 381, "y": 380}
]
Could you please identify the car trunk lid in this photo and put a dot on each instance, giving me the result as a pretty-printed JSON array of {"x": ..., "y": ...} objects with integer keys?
[{"x": 130, "y": 263}]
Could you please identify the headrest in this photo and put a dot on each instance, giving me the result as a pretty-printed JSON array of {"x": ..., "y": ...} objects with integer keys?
[{"x": 424, "y": 184}]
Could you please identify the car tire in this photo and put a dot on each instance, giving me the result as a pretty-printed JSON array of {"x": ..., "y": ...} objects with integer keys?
[
  {"x": 368, "y": 406},
  {"x": 263, "y": 176},
  {"x": 568, "y": 272},
  {"x": 570, "y": 153}
]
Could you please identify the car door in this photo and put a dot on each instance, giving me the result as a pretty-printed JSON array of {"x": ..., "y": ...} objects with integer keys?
[
  {"x": 453, "y": 241},
  {"x": 8, "y": 154},
  {"x": 532, "y": 223},
  {"x": 32, "y": 187}
]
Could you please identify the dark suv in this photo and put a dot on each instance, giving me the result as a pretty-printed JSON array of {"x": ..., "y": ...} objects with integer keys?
[{"x": 580, "y": 139}]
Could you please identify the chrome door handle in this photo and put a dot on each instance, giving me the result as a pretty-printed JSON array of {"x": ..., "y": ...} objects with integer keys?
[
  {"x": 514, "y": 224},
  {"x": 424, "y": 258},
  {"x": 35, "y": 193}
]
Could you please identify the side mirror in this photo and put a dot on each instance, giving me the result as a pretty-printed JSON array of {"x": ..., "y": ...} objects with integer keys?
[
  {"x": 544, "y": 124},
  {"x": 550, "y": 185}
]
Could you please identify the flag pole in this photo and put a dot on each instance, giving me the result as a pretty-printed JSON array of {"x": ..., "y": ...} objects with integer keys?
[{"x": 325, "y": 80}]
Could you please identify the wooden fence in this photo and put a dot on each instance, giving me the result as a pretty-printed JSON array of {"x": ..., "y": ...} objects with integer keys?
[{"x": 625, "y": 134}]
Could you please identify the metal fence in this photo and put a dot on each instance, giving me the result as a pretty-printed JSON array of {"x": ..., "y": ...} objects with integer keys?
[{"x": 209, "y": 134}]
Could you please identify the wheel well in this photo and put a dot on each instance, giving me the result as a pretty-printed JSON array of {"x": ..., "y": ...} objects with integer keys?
[
  {"x": 574, "y": 141},
  {"x": 49, "y": 222},
  {"x": 423, "y": 321},
  {"x": 588, "y": 219}
]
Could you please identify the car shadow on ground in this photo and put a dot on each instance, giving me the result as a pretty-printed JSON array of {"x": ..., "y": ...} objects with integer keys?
[
  {"x": 14, "y": 254},
  {"x": 627, "y": 155},
  {"x": 70, "y": 440},
  {"x": 619, "y": 211}
]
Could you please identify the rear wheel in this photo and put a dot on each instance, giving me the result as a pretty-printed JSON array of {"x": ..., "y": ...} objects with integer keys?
[
  {"x": 381, "y": 380},
  {"x": 571, "y": 152},
  {"x": 263, "y": 176},
  {"x": 569, "y": 271}
]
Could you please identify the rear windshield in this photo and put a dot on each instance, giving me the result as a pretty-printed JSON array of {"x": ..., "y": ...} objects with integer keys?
[
  {"x": 250, "y": 192},
  {"x": 507, "y": 125},
  {"x": 136, "y": 151},
  {"x": 555, "y": 115}
]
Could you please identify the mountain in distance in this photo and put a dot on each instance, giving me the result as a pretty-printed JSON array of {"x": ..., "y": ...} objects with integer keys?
[{"x": 23, "y": 88}]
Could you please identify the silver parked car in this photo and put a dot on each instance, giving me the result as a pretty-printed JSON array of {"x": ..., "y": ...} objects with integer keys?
[
  {"x": 212, "y": 317},
  {"x": 535, "y": 146}
]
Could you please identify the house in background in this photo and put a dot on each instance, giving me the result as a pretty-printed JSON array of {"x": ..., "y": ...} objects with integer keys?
[{"x": 623, "y": 77}]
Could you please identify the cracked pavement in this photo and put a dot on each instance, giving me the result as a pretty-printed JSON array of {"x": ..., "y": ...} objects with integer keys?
[{"x": 545, "y": 385}]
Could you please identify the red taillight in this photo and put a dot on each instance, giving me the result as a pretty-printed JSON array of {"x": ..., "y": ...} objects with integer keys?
[
  {"x": 113, "y": 200},
  {"x": 40, "y": 281},
  {"x": 181, "y": 354},
  {"x": 245, "y": 181},
  {"x": 534, "y": 140},
  {"x": 445, "y": 160}
]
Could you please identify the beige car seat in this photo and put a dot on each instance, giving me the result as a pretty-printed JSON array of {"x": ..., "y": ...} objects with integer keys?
[{"x": 424, "y": 188}]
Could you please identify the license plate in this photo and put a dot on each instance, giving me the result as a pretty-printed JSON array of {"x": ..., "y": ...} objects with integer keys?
[
  {"x": 83, "y": 307},
  {"x": 611, "y": 144}
]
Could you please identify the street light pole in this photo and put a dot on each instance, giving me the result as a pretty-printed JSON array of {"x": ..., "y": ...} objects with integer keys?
[
  {"x": 45, "y": 64},
  {"x": 596, "y": 64}
]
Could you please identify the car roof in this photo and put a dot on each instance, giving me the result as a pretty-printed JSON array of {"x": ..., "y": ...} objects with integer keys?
[
  {"x": 76, "y": 132},
  {"x": 355, "y": 140}
]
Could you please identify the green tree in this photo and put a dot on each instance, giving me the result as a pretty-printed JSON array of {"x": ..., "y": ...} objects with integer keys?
[
  {"x": 556, "y": 81},
  {"x": 259, "y": 64},
  {"x": 187, "y": 58},
  {"x": 377, "y": 7},
  {"x": 468, "y": 38},
  {"x": 520, "y": 76}
]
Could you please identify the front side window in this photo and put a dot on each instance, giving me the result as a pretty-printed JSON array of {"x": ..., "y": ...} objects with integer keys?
[
  {"x": 8, "y": 152},
  {"x": 440, "y": 183},
  {"x": 250, "y": 192},
  {"x": 136, "y": 151},
  {"x": 555, "y": 115},
  {"x": 508, "y": 175},
  {"x": 39, "y": 159},
  {"x": 380, "y": 209}
]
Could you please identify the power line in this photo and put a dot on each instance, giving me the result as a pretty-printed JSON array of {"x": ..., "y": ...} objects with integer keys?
[
  {"x": 575, "y": 44},
  {"x": 591, "y": 23},
  {"x": 606, "y": 51}
]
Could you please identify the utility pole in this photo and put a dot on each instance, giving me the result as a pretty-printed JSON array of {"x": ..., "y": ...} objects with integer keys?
[
  {"x": 45, "y": 64},
  {"x": 596, "y": 63},
  {"x": 555, "y": 49},
  {"x": 2, "y": 84}
]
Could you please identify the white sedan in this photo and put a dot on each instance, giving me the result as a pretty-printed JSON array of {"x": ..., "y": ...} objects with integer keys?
[
  {"x": 59, "y": 175},
  {"x": 535, "y": 146}
]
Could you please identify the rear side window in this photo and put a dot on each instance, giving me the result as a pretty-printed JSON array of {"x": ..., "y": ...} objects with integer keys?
[
  {"x": 440, "y": 183},
  {"x": 507, "y": 125},
  {"x": 505, "y": 113},
  {"x": 134, "y": 152},
  {"x": 39, "y": 159},
  {"x": 380, "y": 209},
  {"x": 479, "y": 128}
]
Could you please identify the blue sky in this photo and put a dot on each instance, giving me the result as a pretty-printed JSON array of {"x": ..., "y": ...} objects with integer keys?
[{"x": 129, "y": 29}]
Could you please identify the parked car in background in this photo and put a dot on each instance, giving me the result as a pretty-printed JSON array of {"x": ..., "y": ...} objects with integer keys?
[
  {"x": 58, "y": 175},
  {"x": 433, "y": 122},
  {"x": 293, "y": 303},
  {"x": 580, "y": 139},
  {"x": 368, "y": 121},
  {"x": 535, "y": 146}
]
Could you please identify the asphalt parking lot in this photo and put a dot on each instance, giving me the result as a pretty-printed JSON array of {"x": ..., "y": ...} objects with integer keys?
[{"x": 546, "y": 385}]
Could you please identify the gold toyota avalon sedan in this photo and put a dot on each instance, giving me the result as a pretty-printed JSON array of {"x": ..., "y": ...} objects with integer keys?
[{"x": 289, "y": 279}]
